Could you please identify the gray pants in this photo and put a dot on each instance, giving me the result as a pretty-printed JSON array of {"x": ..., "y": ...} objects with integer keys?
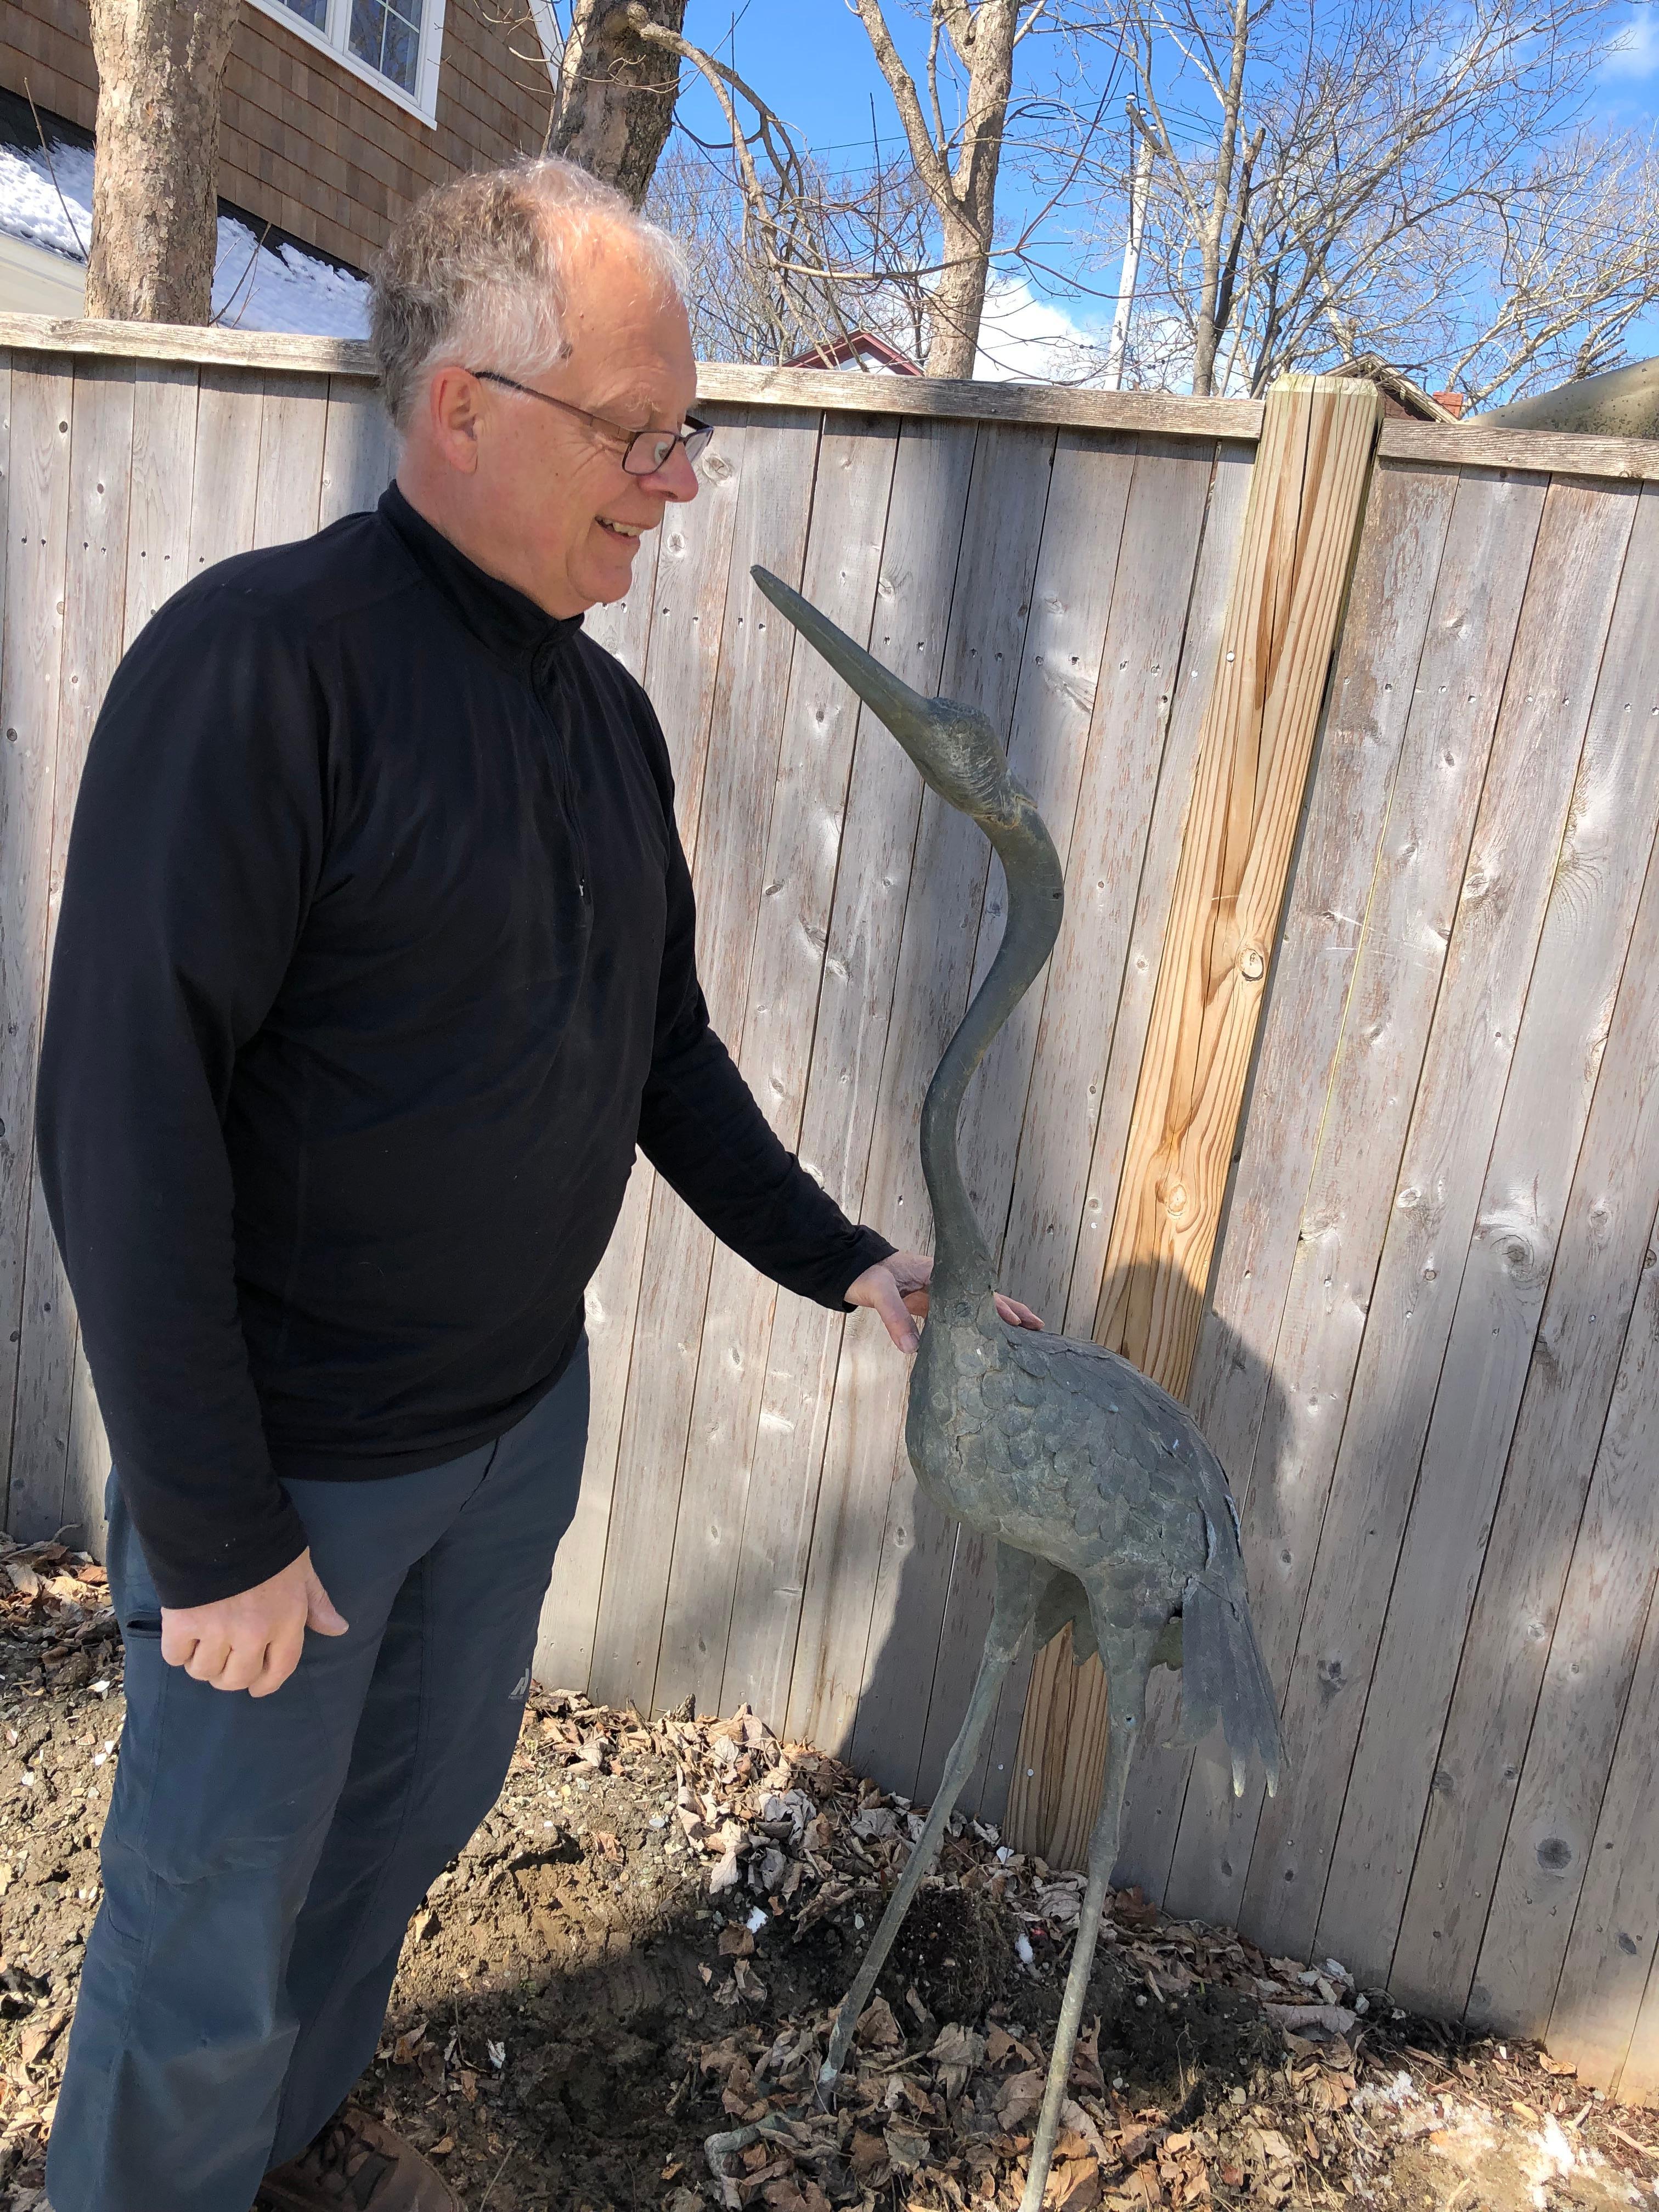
[{"x": 262, "y": 1856}]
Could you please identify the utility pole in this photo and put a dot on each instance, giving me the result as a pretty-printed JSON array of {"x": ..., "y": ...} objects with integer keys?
[{"x": 1117, "y": 345}]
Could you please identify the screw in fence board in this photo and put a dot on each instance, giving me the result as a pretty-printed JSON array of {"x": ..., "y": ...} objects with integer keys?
[{"x": 1301, "y": 527}]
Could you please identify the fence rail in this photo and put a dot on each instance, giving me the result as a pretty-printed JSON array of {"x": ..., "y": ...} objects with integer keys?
[{"x": 1428, "y": 1350}]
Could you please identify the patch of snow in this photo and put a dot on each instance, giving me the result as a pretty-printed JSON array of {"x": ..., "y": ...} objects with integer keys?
[
  {"x": 255, "y": 286},
  {"x": 1548, "y": 2159},
  {"x": 1399, "y": 2092}
]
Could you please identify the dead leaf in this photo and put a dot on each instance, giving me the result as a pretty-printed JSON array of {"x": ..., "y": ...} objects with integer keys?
[
  {"x": 1337, "y": 2018},
  {"x": 907, "y": 2148},
  {"x": 1019, "y": 2097},
  {"x": 1073, "y": 2117},
  {"x": 955, "y": 2046},
  {"x": 403, "y": 2050},
  {"x": 726, "y": 1874},
  {"x": 871, "y": 2163},
  {"x": 877, "y": 2030},
  {"x": 736, "y": 1943},
  {"x": 955, "y": 2053},
  {"x": 442, "y": 2148},
  {"x": 1074, "y": 2186},
  {"x": 38, "y": 2037}
]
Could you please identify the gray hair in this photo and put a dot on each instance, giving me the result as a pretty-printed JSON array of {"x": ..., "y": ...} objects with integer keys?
[{"x": 475, "y": 273}]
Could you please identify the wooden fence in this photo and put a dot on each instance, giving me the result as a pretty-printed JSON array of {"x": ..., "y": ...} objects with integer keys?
[{"x": 1430, "y": 1351}]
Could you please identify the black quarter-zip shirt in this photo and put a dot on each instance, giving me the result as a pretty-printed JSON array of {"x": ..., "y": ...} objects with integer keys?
[{"x": 374, "y": 963}]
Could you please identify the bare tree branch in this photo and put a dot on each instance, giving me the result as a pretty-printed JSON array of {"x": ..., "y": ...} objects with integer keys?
[{"x": 1376, "y": 177}]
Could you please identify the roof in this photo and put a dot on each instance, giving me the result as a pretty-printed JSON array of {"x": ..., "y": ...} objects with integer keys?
[
  {"x": 1408, "y": 398},
  {"x": 858, "y": 349}
]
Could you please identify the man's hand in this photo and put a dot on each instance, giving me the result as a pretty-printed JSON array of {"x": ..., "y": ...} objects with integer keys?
[
  {"x": 896, "y": 1289},
  {"x": 251, "y": 1641}
]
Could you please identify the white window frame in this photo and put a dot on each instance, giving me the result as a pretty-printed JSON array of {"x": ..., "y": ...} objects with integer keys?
[{"x": 333, "y": 41}]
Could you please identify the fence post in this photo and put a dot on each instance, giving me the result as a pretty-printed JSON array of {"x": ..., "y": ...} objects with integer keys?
[{"x": 1301, "y": 528}]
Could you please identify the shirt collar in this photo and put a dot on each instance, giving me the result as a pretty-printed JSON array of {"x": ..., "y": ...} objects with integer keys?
[{"x": 502, "y": 617}]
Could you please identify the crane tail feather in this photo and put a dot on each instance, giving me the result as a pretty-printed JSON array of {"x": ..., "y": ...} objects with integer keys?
[{"x": 1224, "y": 1678}]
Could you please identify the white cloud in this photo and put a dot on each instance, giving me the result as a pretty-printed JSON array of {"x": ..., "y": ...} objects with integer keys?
[
  {"x": 1635, "y": 52},
  {"x": 1026, "y": 340}
]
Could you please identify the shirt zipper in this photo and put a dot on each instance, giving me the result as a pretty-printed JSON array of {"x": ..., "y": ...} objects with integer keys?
[{"x": 540, "y": 675}]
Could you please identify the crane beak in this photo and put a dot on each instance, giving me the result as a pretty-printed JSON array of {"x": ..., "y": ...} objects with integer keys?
[{"x": 956, "y": 749}]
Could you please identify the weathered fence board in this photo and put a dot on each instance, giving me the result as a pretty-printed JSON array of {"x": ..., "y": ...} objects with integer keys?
[
  {"x": 1440, "y": 1418},
  {"x": 1528, "y": 787},
  {"x": 773, "y": 1044},
  {"x": 803, "y": 1505},
  {"x": 870, "y": 1667},
  {"x": 1605, "y": 1243},
  {"x": 101, "y": 437},
  {"x": 1309, "y": 1362},
  {"x": 1597, "y": 881},
  {"x": 31, "y": 645},
  {"x": 1615, "y": 1931}
]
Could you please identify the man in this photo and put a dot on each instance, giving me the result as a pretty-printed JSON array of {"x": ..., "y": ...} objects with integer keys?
[{"x": 376, "y": 962}]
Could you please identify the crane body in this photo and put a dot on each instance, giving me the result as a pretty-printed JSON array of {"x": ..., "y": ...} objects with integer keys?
[{"x": 1107, "y": 1508}]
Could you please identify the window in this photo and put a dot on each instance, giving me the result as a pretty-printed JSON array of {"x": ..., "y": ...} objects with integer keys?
[
  {"x": 388, "y": 38},
  {"x": 394, "y": 44}
]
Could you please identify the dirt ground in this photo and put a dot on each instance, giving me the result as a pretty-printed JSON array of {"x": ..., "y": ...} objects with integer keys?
[{"x": 642, "y": 1947}]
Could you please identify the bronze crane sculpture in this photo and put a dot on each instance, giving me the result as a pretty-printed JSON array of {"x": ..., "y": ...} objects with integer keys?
[{"x": 1109, "y": 1509}]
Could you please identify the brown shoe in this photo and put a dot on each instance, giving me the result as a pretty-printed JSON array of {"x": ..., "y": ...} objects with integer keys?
[{"x": 356, "y": 2165}]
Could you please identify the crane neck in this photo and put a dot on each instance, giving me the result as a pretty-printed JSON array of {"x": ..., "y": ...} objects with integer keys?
[{"x": 963, "y": 1270}]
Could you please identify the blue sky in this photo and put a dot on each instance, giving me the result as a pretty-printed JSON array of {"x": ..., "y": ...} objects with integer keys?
[{"x": 813, "y": 60}]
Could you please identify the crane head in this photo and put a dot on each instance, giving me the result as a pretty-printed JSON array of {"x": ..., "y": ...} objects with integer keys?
[{"x": 955, "y": 747}]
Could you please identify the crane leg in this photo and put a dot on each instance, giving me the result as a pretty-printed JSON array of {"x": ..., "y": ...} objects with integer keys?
[
  {"x": 1125, "y": 1684},
  {"x": 1020, "y": 1582}
]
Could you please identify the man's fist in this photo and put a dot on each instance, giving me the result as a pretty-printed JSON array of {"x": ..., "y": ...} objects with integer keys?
[{"x": 251, "y": 1641}]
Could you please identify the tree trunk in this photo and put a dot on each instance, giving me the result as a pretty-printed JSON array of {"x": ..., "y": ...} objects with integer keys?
[
  {"x": 617, "y": 93},
  {"x": 155, "y": 200},
  {"x": 964, "y": 196},
  {"x": 956, "y": 302}
]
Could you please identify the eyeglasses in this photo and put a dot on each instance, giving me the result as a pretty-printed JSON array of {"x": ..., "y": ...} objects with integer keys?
[{"x": 644, "y": 452}]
